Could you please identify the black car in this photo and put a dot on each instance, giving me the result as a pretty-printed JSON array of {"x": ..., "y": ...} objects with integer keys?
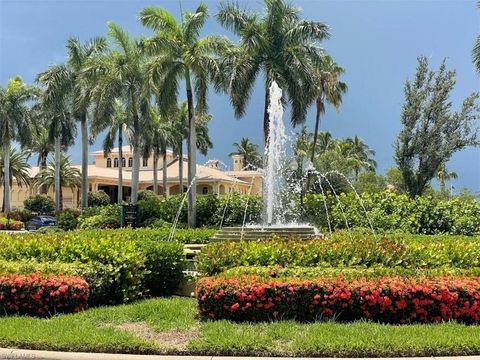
[{"x": 40, "y": 221}]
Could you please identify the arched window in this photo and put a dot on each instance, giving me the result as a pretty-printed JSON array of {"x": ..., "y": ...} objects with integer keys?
[
  {"x": 124, "y": 163},
  {"x": 115, "y": 162},
  {"x": 109, "y": 163},
  {"x": 205, "y": 190},
  {"x": 130, "y": 162},
  {"x": 145, "y": 162}
]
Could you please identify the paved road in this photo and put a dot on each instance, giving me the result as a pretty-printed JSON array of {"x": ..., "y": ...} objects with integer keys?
[{"x": 56, "y": 355}]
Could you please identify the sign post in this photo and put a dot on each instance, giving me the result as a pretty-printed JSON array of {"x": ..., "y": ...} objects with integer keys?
[{"x": 129, "y": 216}]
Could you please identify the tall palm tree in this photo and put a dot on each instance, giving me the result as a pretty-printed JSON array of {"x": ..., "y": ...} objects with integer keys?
[
  {"x": 250, "y": 154},
  {"x": 57, "y": 105},
  {"x": 18, "y": 170},
  {"x": 476, "y": 49},
  {"x": 115, "y": 125},
  {"x": 360, "y": 155},
  {"x": 301, "y": 149},
  {"x": 69, "y": 176},
  {"x": 443, "y": 175},
  {"x": 178, "y": 53},
  {"x": 14, "y": 124},
  {"x": 121, "y": 74},
  {"x": 329, "y": 90},
  {"x": 281, "y": 46}
]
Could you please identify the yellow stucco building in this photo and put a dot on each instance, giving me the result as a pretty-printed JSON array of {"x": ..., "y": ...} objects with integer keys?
[{"x": 103, "y": 175}]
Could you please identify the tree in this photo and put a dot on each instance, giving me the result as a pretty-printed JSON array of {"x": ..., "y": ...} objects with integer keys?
[
  {"x": 120, "y": 75},
  {"x": 179, "y": 53},
  {"x": 329, "y": 89},
  {"x": 369, "y": 182},
  {"x": 14, "y": 124},
  {"x": 18, "y": 170},
  {"x": 280, "y": 45},
  {"x": 249, "y": 151},
  {"x": 115, "y": 123},
  {"x": 443, "y": 175},
  {"x": 358, "y": 152},
  {"x": 432, "y": 132},
  {"x": 69, "y": 176},
  {"x": 56, "y": 102},
  {"x": 476, "y": 49}
]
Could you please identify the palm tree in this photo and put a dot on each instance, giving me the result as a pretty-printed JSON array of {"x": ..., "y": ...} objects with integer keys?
[
  {"x": 69, "y": 176},
  {"x": 14, "y": 124},
  {"x": 57, "y": 106},
  {"x": 250, "y": 154},
  {"x": 359, "y": 154},
  {"x": 329, "y": 89},
  {"x": 280, "y": 45},
  {"x": 179, "y": 53},
  {"x": 120, "y": 74},
  {"x": 116, "y": 125},
  {"x": 443, "y": 175},
  {"x": 301, "y": 149},
  {"x": 18, "y": 170},
  {"x": 476, "y": 49}
]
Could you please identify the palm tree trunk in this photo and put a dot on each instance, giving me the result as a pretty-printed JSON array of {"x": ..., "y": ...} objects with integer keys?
[
  {"x": 192, "y": 154},
  {"x": 164, "y": 172},
  {"x": 266, "y": 117},
  {"x": 84, "y": 185},
  {"x": 6, "y": 176},
  {"x": 155, "y": 171},
  {"x": 317, "y": 127},
  {"x": 58, "y": 192},
  {"x": 180, "y": 167},
  {"x": 136, "y": 159},
  {"x": 42, "y": 162},
  {"x": 120, "y": 165}
]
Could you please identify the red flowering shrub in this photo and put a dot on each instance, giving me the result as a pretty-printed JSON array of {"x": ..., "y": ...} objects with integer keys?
[
  {"x": 387, "y": 299},
  {"x": 42, "y": 295},
  {"x": 11, "y": 224}
]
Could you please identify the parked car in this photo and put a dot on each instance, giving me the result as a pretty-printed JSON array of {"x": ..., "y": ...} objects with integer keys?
[{"x": 37, "y": 222}]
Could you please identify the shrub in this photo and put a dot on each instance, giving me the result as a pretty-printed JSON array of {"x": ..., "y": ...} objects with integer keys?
[
  {"x": 102, "y": 217},
  {"x": 146, "y": 195},
  {"x": 35, "y": 294},
  {"x": 389, "y": 299},
  {"x": 40, "y": 204},
  {"x": 98, "y": 198},
  {"x": 22, "y": 215},
  {"x": 68, "y": 219},
  {"x": 345, "y": 250},
  {"x": 10, "y": 224}
]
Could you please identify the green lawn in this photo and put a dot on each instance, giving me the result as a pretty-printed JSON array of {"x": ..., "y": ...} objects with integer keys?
[{"x": 170, "y": 326}]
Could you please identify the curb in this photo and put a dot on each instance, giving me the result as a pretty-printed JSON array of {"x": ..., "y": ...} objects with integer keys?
[{"x": 58, "y": 355}]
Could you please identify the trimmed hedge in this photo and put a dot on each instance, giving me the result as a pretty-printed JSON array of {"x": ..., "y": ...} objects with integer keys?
[
  {"x": 41, "y": 295},
  {"x": 388, "y": 300},
  {"x": 341, "y": 250},
  {"x": 10, "y": 224}
]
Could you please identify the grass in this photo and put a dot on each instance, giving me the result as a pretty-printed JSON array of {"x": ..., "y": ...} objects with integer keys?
[{"x": 161, "y": 326}]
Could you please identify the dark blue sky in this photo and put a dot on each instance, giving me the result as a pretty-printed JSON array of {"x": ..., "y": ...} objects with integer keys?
[{"x": 377, "y": 42}]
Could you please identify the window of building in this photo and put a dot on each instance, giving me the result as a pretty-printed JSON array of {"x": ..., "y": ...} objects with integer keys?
[
  {"x": 124, "y": 163},
  {"x": 145, "y": 162},
  {"x": 115, "y": 162},
  {"x": 130, "y": 162},
  {"x": 205, "y": 190},
  {"x": 109, "y": 163}
]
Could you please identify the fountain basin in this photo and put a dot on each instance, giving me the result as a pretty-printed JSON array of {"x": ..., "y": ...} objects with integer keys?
[{"x": 259, "y": 232}]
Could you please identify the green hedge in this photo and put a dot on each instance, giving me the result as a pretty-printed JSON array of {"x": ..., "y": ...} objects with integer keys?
[
  {"x": 345, "y": 250},
  {"x": 390, "y": 211},
  {"x": 131, "y": 264}
]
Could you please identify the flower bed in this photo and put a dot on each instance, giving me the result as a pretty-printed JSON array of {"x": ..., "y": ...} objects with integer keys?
[
  {"x": 10, "y": 224},
  {"x": 388, "y": 299},
  {"x": 36, "y": 294}
]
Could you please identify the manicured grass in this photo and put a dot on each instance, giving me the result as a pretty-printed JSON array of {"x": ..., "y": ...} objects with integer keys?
[{"x": 170, "y": 326}]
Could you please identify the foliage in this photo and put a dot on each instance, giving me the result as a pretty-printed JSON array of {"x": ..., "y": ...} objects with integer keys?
[
  {"x": 387, "y": 300},
  {"x": 42, "y": 295},
  {"x": 40, "y": 204},
  {"x": 369, "y": 182},
  {"x": 345, "y": 250},
  {"x": 10, "y": 224},
  {"x": 98, "y": 198},
  {"x": 69, "y": 175},
  {"x": 20, "y": 214},
  {"x": 146, "y": 195},
  {"x": 104, "y": 217},
  {"x": 390, "y": 211},
  {"x": 68, "y": 219},
  {"x": 18, "y": 168},
  {"x": 251, "y": 157},
  {"x": 431, "y": 131},
  {"x": 476, "y": 50}
]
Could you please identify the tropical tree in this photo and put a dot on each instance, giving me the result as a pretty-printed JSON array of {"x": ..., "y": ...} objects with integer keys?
[
  {"x": 69, "y": 176},
  {"x": 14, "y": 123},
  {"x": 115, "y": 124},
  {"x": 249, "y": 151},
  {"x": 443, "y": 175},
  {"x": 178, "y": 53},
  {"x": 120, "y": 75},
  {"x": 329, "y": 89},
  {"x": 18, "y": 170},
  {"x": 278, "y": 44},
  {"x": 476, "y": 49},
  {"x": 56, "y": 103},
  {"x": 360, "y": 155}
]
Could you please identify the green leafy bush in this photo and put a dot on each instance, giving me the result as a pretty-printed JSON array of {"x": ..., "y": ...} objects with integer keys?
[
  {"x": 40, "y": 204},
  {"x": 68, "y": 219},
  {"x": 390, "y": 211},
  {"x": 22, "y": 215},
  {"x": 146, "y": 195},
  {"x": 101, "y": 217},
  {"x": 98, "y": 198},
  {"x": 10, "y": 224}
]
